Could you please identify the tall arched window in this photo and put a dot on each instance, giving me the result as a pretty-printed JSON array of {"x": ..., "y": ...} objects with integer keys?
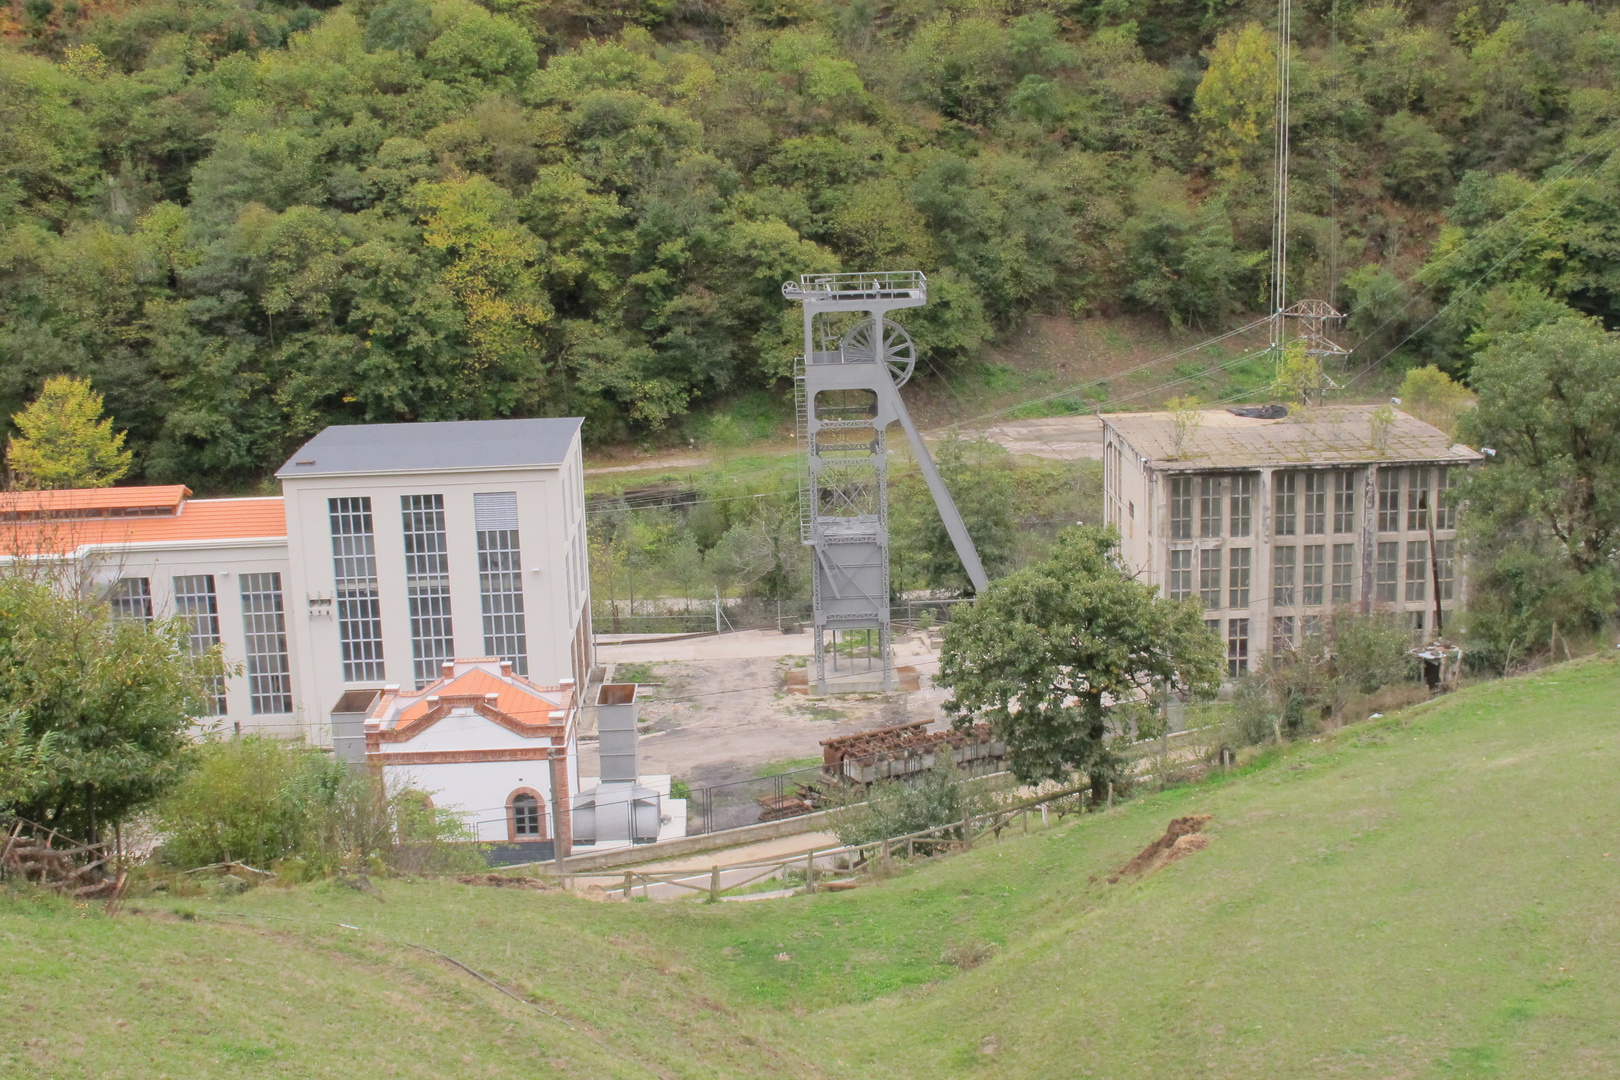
[{"x": 526, "y": 817}]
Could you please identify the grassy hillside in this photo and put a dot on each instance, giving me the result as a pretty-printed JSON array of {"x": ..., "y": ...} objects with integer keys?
[{"x": 1428, "y": 895}]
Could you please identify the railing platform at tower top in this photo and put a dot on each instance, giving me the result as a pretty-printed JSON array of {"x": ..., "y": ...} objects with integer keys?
[{"x": 887, "y": 285}]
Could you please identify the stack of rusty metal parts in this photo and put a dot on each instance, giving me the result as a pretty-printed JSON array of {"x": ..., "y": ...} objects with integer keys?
[
  {"x": 906, "y": 749},
  {"x": 44, "y": 857}
]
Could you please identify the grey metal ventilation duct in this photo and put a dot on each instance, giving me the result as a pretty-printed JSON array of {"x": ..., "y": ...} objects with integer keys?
[{"x": 618, "y": 809}]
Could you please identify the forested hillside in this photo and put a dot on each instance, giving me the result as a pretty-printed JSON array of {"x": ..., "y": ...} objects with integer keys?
[{"x": 247, "y": 220}]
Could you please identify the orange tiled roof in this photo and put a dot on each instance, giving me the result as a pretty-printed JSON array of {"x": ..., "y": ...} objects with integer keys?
[
  {"x": 520, "y": 700},
  {"x": 196, "y": 520},
  {"x": 94, "y": 502}
]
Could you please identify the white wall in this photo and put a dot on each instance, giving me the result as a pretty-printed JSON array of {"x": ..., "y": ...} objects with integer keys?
[
  {"x": 227, "y": 561},
  {"x": 550, "y": 508},
  {"x": 479, "y": 789}
]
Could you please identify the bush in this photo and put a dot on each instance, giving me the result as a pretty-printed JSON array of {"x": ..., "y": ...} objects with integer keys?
[
  {"x": 1371, "y": 651},
  {"x": 264, "y": 801},
  {"x": 940, "y": 796},
  {"x": 1289, "y": 694}
]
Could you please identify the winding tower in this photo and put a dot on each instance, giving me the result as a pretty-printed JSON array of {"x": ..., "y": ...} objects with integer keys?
[{"x": 848, "y": 393}]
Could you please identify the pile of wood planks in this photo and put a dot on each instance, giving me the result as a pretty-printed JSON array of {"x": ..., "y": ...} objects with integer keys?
[{"x": 45, "y": 857}]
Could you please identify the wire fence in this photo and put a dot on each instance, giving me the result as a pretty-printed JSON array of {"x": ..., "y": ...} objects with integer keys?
[
  {"x": 697, "y": 616},
  {"x": 716, "y": 807}
]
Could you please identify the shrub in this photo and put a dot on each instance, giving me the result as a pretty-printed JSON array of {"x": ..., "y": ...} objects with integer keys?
[
  {"x": 1370, "y": 651},
  {"x": 940, "y": 796},
  {"x": 262, "y": 801},
  {"x": 1289, "y": 693}
]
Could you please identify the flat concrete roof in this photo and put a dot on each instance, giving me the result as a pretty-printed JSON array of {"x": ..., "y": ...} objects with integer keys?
[
  {"x": 1324, "y": 435},
  {"x": 352, "y": 449}
]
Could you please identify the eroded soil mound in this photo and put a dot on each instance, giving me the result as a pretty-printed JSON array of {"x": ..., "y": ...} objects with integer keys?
[{"x": 1183, "y": 837}]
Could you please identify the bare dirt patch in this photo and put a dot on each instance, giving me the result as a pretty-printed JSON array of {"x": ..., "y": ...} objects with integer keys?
[
  {"x": 1183, "y": 837},
  {"x": 503, "y": 881},
  {"x": 714, "y": 718}
]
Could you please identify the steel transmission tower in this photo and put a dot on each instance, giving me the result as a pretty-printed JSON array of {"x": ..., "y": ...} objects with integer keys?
[
  {"x": 848, "y": 393},
  {"x": 1312, "y": 315}
]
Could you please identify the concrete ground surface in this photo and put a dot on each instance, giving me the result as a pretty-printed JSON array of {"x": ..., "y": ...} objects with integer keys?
[{"x": 1061, "y": 438}]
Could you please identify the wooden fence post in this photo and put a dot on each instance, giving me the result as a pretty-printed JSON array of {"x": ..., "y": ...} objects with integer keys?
[
  {"x": 714, "y": 884},
  {"x": 885, "y": 853},
  {"x": 627, "y": 885},
  {"x": 1110, "y": 795},
  {"x": 967, "y": 833},
  {"x": 810, "y": 871}
]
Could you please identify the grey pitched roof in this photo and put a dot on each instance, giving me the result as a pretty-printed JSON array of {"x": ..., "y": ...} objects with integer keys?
[
  {"x": 458, "y": 444},
  {"x": 1327, "y": 435}
]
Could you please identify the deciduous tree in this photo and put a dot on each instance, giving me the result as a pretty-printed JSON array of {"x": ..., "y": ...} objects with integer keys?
[
  {"x": 1549, "y": 405},
  {"x": 111, "y": 701},
  {"x": 62, "y": 441},
  {"x": 1047, "y": 653}
]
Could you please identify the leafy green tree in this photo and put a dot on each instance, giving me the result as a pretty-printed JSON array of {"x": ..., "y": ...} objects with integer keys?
[
  {"x": 1549, "y": 405},
  {"x": 978, "y": 474},
  {"x": 1049, "y": 651},
  {"x": 23, "y": 761},
  {"x": 1182, "y": 262},
  {"x": 1433, "y": 397},
  {"x": 1418, "y": 168},
  {"x": 111, "y": 702},
  {"x": 1237, "y": 98},
  {"x": 62, "y": 441}
]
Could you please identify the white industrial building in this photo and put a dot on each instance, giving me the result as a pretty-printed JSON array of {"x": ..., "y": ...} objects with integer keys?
[
  {"x": 1272, "y": 521},
  {"x": 393, "y": 550}
]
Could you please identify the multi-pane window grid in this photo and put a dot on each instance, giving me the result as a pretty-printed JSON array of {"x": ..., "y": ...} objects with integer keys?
[
  {"x": 1344, "y": 573},
  {"x": 1445, "y": 514},
  {"x": 1417, "y": 569},
  {"x": 1209, "y": 507},
  {"x": 1417, "y": 501},
  {"x": 1387, "y": 569},
  {"x": 196, "y": 602},
  {"x": 131, "y": 598},
  {"x": 1445, "y": 561},
  {"x": 1316, "y": 503},
  {"x": 1238, "y": 578},
  {"x": 264, "y": 628},
  {"x": 427, "y": 584},
  {"x": 1237, "y": 647},
  {"x": 1313, "y": 576},
  {"x": 1282, "y": 633},
  {"x": 1181, "y": 573},
  {"x": 1181, "y": 507},
  {"x": 1209, "y": 578},
  {"x": 1282, "y": 576},
  {"x": 1389, "y": 500},
  {"x": 526, "y": 816},
  {"x": 1284, "y": 500},
  {"x": 500, "y": 586},
  {"x": 1241, "y": 504},
  {"x": 1344, "y": 502},
  {"x": 359, "y": 612}
]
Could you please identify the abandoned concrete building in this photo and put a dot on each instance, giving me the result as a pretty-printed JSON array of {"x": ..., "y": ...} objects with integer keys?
[{"x": 1272, "y": 521}]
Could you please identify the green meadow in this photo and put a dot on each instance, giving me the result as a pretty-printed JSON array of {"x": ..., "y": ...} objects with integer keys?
[{"x": 1432, "y": 894}]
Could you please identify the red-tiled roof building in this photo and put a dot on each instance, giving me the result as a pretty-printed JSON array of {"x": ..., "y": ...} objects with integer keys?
[{"x": 391, "y": 550}]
